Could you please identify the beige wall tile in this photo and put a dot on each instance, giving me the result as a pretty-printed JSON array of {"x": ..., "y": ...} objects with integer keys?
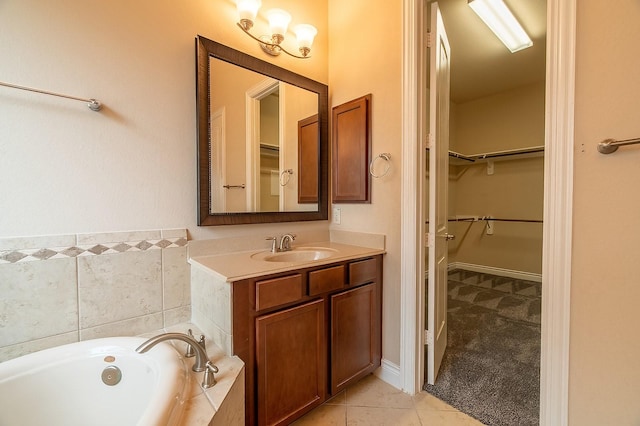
[
  {"x": 110, "y": 237},
  {"x": 128, "y": 327},
  {"x": 39, "y": 299},
  {"x": 175, "y": 278},
  {"x": 211, "y": 307},
  {"x": 119, "y": 286},
  {"x": 14, "y": 351},
  {"x": 177, "y": 315},
  {"x": 19, "y": 243}
]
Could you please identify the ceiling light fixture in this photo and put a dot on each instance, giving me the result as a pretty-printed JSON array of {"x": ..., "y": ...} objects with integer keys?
[
  {"x": 501, "y": 21},
  {"x": 278, "y": 23}
]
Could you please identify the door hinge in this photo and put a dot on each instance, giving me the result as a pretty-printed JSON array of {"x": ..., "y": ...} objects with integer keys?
[
  {"x": 427, "y": 142},
  {"x": 428, "y": 39},
  {"x": 429, "y": 240},
  {"x": 428, "y": 337}
]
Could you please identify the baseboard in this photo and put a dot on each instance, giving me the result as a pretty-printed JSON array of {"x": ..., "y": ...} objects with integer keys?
[
  {"x": 529, "y": 276},
  {"x": 389, "y": 373}
]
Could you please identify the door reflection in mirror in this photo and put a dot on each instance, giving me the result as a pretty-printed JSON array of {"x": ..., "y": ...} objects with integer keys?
[{"x": 255, "y": 139}]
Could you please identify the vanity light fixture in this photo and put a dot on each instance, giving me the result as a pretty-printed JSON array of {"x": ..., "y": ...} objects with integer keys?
[
  {"x": 278, "y": 23},
  {"x": 501, "y": 21}
]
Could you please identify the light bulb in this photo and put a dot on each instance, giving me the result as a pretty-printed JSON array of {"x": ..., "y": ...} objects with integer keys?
[
  {"x": 278, "y": 22},
  {"x": 247, "y": 11}
]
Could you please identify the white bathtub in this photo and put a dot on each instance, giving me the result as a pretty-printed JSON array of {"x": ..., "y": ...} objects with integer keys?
[{"x": 64, "y": 385}]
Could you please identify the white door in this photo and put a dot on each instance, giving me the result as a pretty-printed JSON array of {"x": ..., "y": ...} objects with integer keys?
[{"x": 439, "y": 58}]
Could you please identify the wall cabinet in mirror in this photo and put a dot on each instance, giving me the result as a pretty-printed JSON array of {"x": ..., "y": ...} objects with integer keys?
[{"x": 262, "y": 140}]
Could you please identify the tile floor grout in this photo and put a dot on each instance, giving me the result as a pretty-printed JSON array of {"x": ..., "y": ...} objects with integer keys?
[{"x": 374, "y": 402}]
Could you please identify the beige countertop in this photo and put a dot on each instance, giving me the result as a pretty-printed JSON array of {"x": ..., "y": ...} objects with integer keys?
[{"x": 249, "y": 264}]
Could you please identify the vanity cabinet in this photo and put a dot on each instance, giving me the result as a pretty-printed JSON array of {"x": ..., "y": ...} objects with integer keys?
[
  {"x": 305, "y": 335},
  {"x": 290, "y": 362}
]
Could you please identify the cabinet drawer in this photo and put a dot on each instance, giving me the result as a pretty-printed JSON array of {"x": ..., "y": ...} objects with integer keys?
[
  {"x": 362, "y": 272},
  {"x": 278, "y": 291},
  {"x": 326, "y": 280}
]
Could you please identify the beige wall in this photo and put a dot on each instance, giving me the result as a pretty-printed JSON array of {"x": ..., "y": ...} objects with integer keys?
[
  {"x": 66, "y": 169},
  {"x": 356, "y": 70},
  {"x": 514, "y": 191},
  {"x": 508, "y": 120},
  {"x": 604, "y": 380}
]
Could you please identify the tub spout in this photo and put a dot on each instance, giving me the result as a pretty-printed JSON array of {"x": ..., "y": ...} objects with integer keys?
[{"x": 201, "y": 354}]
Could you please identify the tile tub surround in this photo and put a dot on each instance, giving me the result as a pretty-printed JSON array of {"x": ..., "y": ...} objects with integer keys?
[
  {"x": 222, "y": 404},
  {"x": 65, "y": 288}
]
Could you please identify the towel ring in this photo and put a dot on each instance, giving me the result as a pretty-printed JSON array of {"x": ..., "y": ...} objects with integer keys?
[
  {"x": 285, "y": 174},
  {"x": 386, "y": 157}
]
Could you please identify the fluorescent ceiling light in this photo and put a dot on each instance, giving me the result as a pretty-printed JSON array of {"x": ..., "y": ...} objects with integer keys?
[{"x": 501, "y": 21}]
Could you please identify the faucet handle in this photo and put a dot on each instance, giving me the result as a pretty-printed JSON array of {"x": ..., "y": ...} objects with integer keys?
[
  {"x": 201, "y": 342},
  {"x": 209, "y": 378},
  {"x": 274, "y": 243}
]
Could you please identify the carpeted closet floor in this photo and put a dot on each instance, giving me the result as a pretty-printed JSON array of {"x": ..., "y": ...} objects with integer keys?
[{"x": 491, "y": 368}]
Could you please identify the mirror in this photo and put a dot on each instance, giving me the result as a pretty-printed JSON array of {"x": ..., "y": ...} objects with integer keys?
[{"x": 262, "y": 140}]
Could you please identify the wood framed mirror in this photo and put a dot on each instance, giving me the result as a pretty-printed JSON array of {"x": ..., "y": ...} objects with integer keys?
[{"x": 248, "y": 115}]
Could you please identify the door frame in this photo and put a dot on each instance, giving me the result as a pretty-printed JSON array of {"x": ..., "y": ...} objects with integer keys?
[
  {"x": 558, "y": 208},
  {"x": 253, "y": 95}
]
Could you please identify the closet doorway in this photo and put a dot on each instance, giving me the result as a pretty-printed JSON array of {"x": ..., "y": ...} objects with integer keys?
[{"x": 495, "y": 208}]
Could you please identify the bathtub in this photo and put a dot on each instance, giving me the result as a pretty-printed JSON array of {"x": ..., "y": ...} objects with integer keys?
[{"x": 79, "y": 385}]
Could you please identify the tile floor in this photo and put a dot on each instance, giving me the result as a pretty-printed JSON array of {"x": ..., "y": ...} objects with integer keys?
[{"x": 374, "y": 402}]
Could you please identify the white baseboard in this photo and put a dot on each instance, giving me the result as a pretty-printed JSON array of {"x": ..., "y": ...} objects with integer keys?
[
  {"x": 390, "y": 373},
  {"x": 497, "y": 271}
]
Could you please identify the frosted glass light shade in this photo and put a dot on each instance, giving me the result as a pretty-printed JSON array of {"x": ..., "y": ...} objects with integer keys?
[
  {"x": 278, "y": 21},
  {"x": 305, "y": 34},
  {"x": 501, "y": 21},
  {"x": 248, "y": 9}
]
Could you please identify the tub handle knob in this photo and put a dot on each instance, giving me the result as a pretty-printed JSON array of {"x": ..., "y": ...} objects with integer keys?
[{"x": 209, "y": 378}]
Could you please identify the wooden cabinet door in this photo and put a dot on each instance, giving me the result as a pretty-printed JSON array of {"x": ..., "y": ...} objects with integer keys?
[
  {"x": 351, "y": 151},
  {"x": 355, "y": 335},
  {"x": 291, "y": 362},
  {"x": 308, "y": 160}
]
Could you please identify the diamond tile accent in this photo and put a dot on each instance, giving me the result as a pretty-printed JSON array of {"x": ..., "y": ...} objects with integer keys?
[
  {"x": 144, "y": 245},
  {"x": 73, "y": 251},
  {"x": 13, "y": 257},
  {"x": 122, "y": 247},
  {"x": 44, "y": 254},
  {"x": 30, "y": 255}
]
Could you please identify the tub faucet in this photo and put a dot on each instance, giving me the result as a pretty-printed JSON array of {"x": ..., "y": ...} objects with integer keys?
[
  {"x": 285, "y": 242},
  {"x": 201, "y": 354}
]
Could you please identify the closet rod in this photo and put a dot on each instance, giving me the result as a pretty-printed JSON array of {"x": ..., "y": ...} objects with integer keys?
[
  {"x": 608, "y": 146},
  {"x": 481, "y": 218},
  {"x": 507, "y": 153},
  {"x": 93, "y": 104}
]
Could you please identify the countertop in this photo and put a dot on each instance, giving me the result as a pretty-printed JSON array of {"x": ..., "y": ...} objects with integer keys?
[{"x": 237, "y": 266}]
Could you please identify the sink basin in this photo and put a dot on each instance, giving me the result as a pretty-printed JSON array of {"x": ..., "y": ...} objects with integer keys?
[{"x": 300, "y": 254}]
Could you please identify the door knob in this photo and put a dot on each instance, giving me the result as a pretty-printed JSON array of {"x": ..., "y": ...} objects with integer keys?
[{"x": 449, "y": 237}]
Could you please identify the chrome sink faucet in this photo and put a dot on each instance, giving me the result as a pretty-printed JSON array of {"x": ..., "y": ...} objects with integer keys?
[
  {"x": 285, "y": 242},
  {"x": 283, "y": 245},
  {"x": 202, "y": 362}
]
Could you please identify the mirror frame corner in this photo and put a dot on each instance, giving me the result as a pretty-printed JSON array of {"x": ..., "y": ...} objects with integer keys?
[{"x": 205, "y": 49}]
